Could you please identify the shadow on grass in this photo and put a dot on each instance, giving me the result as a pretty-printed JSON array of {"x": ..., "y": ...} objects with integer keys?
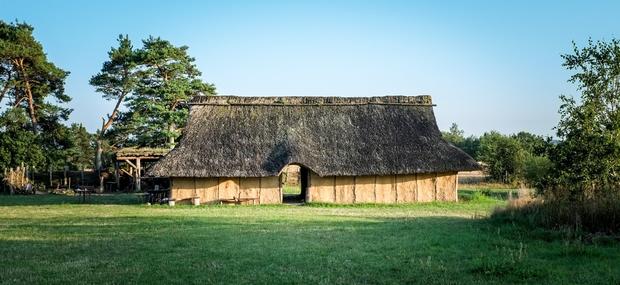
[
  {"x": 500, "y": 194},
  {"x": 163, "y": 249},
  {"x": 50, "y": 199},
  {"x": 247, "y": 249}
]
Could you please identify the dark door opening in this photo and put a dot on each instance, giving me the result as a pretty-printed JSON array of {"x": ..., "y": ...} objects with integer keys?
[{"x": 294, "y": 179}]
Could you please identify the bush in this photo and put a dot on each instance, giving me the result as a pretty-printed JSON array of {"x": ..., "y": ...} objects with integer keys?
[
  {"x": 503, "y": 155},
  {"x": 588, "y": 216},
  {"x": 536, "y": 169}
]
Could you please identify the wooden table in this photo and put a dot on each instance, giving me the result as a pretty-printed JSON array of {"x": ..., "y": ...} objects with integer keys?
[
  {"x": 83, "y": 193},
  {"x": 237, "y": 201}
]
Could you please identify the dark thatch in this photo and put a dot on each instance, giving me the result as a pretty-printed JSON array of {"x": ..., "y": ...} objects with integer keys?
[
  {"x": 229, "y": 136},
  {"x": 141, "y": 152}
]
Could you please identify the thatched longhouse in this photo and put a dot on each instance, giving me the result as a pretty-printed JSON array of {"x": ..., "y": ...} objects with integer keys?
[{"x": 351, "y": 150}]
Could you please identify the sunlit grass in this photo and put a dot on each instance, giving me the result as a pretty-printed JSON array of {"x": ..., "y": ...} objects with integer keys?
[{"x": 55, "y": 239}]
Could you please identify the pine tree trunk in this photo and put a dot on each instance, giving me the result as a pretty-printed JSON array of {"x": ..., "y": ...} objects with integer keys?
[
  {"x": 98, "y": 163},
  {"x": 98, "y": 154}
]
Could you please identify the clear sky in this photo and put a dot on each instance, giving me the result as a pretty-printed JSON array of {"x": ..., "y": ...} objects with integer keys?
[{"x": 489, "y": 65}]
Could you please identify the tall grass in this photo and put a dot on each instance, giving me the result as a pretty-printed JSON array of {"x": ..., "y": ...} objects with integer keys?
[{"x": 583, "y": 217}]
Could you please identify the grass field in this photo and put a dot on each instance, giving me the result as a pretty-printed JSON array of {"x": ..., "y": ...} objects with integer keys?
[{"x": 113, "y": 240}]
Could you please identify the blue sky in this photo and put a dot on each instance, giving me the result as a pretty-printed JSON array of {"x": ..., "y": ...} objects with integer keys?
[{"x": 489, "y": 65}]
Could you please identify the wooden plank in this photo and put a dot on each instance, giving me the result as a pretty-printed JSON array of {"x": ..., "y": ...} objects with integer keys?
[
  {"x": 426, "y": 187},
  {"x": 270, "y": 190},
  {"x": 206, "y": 189},
  {"x": 365, "y": 189},
  {"x": 323, "y": 189},
  {"x": 228, "y": 188},
  {"x": 140, "y": 157},
  {"x": 138, "y": 175},
  {"x": 406, "y": 188},
  {"x": 182, "y": 189},
  {"x": 313, "y": 192},
  {"x": 446, "y": 187},
  {"x": 345, "y": 187},
  {"x": 130, "y": 163},
  {"x": 385, "y": 190},
  {"x": 250, "y": 188}
]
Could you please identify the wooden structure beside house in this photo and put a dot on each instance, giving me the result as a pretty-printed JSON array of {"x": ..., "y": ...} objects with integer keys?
[
  {"x": 350, "y": 150},
  {"x": 134, "y": 159}
]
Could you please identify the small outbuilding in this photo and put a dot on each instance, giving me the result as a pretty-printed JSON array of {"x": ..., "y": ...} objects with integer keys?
[{"x": 350, "y": 150}]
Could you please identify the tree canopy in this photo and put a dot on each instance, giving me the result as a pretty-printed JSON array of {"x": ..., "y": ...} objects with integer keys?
[
  {"x": 587, "y": 159},
  {"x": 166, "y": 77},
  {"x": 32, "y": 129}
]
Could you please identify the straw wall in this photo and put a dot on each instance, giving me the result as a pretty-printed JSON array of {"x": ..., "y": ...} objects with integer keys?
[
  {"x": 265, "y": 190},
  {"x": 383, "y": 188},
  {"x": 330, "y": 189}
]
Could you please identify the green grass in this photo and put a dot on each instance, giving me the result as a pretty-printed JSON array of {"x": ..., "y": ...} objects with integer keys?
[
  {"x": 54, "y": 239},
  {"x": 288, "y": 189}
]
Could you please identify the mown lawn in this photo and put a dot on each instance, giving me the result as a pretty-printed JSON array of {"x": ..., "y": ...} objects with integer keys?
[{"x": 113, "y": 240}]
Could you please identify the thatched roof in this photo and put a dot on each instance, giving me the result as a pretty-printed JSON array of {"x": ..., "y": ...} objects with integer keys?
[
  {"x": 141, "y": 152},
  {"x": 228, "y": 136}
]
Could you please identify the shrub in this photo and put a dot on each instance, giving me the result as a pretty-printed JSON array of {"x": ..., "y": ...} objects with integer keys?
[
  {"x": 536, "y": 169},
  {"x": 588, "y": 216}
]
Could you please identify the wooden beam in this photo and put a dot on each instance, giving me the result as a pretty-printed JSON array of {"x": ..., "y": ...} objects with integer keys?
[
  {"x": 136, "y": 157},
  {"x": 138, "y": 174},
  {"x": 130, "y": 163}
]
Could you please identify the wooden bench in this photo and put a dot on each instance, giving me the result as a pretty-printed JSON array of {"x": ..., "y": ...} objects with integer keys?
[{"x": 238, "y": 201}]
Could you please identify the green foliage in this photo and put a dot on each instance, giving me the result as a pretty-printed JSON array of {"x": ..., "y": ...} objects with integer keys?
[
  {"x": 533, "y": 144},
  {"x": 504, "y": 156},
  {"x": 81, "y": 149},
  {"x": 471, "y": 146},
  {"x": 521, "y": 157},
  {"x": 28, "y": 79},
  {"x": 18, "y": 144},
  {"x": 32, "y": 88},
  {"x": 587, "y": 160},
  {"x": 536, "y": 170},
  {"x": 455, "y": 136},
  {"x": 117, "y": 77},
  {"x": 167, "y": 79},
  {"x": 582, "y": 190}
]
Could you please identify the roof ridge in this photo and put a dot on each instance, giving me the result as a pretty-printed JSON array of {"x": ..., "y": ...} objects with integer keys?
[{"x": 420, "y": 100}]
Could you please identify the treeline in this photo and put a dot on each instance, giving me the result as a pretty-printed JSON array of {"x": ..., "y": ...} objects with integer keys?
[
  {"x": 521, "y": 158},
  {"x": 150, "y": 87},
  {"x": 581, "y": 189},
  {"x": 32, "y": 129}
]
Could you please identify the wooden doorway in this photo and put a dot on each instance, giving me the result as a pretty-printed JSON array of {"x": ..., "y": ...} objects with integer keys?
[{"x": 294, "y": 183}]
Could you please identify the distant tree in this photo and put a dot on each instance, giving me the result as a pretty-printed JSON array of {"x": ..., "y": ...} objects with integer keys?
[
  {"x": 32, "y": 89},
  {"x": 533, "y": 144},
  {"x": 168, "y": 78},
  {"x": 471, "y": 146},
  {"x": 504, "y": 156},
  {"x": 454, "y": 135},
  {"x": 536, "y": 170},
  {"x": 18, "y": 144},
  {"x": 587, "y": 158},
  {"x": 115, "y": 81},
  {"x": 81, "y": 148},
  {"x": 28, "y": 78}
]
